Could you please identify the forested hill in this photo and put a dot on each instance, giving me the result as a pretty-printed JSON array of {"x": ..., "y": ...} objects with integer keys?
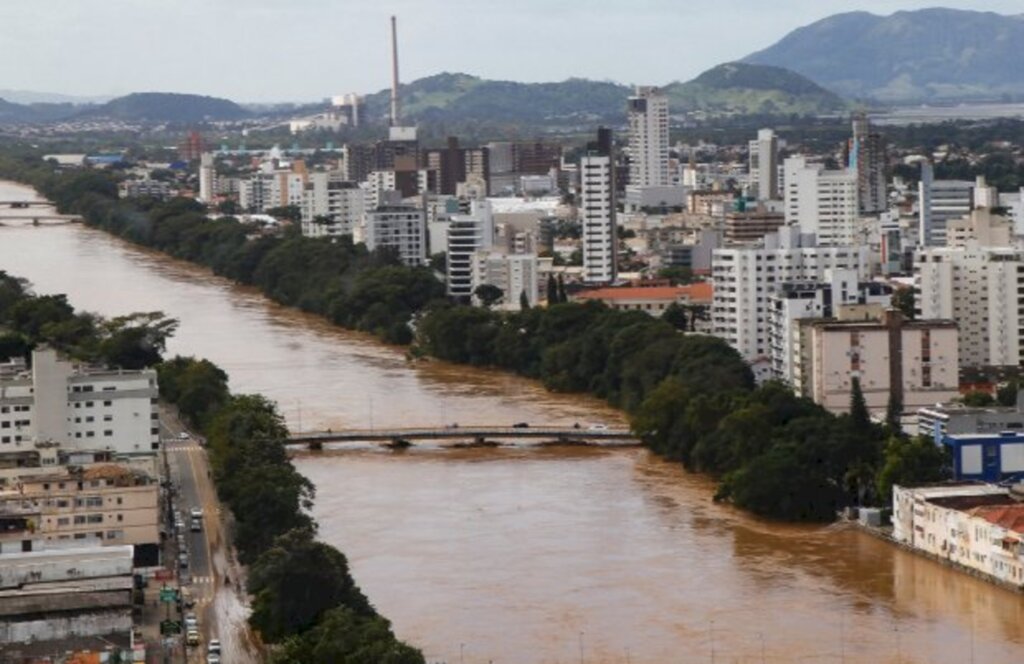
[
  {"x": 923, "y": 55},
  {"x": 168, "y": 107}
]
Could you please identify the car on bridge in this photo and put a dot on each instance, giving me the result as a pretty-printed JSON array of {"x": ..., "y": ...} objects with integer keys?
[{"x": 521, "y": 425}]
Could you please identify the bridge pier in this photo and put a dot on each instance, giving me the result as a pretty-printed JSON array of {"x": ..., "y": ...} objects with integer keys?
[{"x": 315, "y": 445}]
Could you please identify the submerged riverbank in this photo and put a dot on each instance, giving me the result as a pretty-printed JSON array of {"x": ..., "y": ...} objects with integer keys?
[{"x": 513, "y": 552}]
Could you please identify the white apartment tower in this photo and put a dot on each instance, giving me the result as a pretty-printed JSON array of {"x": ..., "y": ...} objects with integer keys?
[
  {"x": 402, "y": 228},
  {"x": 207, "y": 178},
  {"x": 979, "y": 288},
  {"x": 745, "y": 276},
  {"x": 763, "y": 166},
  {"x": 597, "y": 210},
  {"x": 820, "y": 202},
  {"x": 331, "y": 206},
  {"x": 648, "y": 138},
  {"x": 467, "y": 235}
]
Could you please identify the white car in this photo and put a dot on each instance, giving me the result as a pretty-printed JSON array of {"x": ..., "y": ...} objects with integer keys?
[
  {"x": 212, "y": 658},
  {"x": 213, "y": 647},
  {"x": 183, "y": 435},
  {"x": 598, "y": 427}
]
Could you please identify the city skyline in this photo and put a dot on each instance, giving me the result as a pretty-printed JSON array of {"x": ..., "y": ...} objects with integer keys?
[{"x": 247, "y": 52}]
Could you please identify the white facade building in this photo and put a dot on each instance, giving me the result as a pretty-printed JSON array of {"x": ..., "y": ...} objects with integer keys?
[
  {"x": 648, "y": 138},
  {"x": 744, "y": 277},
  {"x": 795, "y": 301},
  {"x": 79, "y": 408},
  {"x": 515, "y": 274},
  {"x": 402, "y": 228},
  {"x": 938, "y": 202},
  {"x": 597, "y": 217},
  {"x": 331, "y": 206},
  {"x": 821, "y": 202},
  {"x": 980, "y": 288},
  {"x": 763, "y": 170},
  {"x": 207, "y": 178},
  {"x": 467, "y": 235}
]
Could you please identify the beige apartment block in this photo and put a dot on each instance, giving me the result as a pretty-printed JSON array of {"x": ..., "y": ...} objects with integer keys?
[{"x": 918, "y": 360}]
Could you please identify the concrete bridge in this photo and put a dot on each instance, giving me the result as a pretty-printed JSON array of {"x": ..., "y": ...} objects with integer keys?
[
  {"x": 25, "y": 204},
  {"x": 477, "y": 434},
  {"x": 47, "y": 219}
]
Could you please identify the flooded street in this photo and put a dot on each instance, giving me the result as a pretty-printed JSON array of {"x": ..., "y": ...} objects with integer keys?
[{"x": 534, "y": 554}]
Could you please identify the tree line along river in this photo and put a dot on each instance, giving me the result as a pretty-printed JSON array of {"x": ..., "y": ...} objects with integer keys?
[{"x": 533, "y": 554}]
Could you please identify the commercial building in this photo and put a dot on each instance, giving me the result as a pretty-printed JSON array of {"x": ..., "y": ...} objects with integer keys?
[
  {"x": 938, "y": 202},
  {"x": 867, "y": 158},
  {"x": 913, "y": 362},
  {"x": 980, "y": 228},
  {"x": 648, "y": 138},
  {"x": 401, "y": 228},
  {"x": 745, "y": 276},
  {"x": 597, "y": 210},
  {"x": 78, "y": 407},
  {"x": 982, "y": 288},
  {"x": 451, "y": 165},
  {"x": 744, "y": 226},
  {"x": 820, "y": 202},
  {"x": 467, "y": 235},
  {"x": 992, "y": 457},
  {"x": 978, "y": 527},
  {"x": 763, "y": 170},
  {"x": 52, "y": 593},
  {"x": 954, "y": 418},
  {"x": 103, "y": 504}
]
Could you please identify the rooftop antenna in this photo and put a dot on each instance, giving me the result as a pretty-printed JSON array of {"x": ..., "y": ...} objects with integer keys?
[{"x": 394, "y": 71}]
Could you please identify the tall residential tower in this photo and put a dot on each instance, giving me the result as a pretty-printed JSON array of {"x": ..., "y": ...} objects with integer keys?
[
  {"x": 648, "y": 138},
  {"x": 597, "y": 210}
]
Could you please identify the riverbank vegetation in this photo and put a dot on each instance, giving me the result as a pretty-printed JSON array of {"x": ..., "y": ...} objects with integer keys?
[
  {"x": 304, "y": 597},
  {"x": 691, "y": 398}
]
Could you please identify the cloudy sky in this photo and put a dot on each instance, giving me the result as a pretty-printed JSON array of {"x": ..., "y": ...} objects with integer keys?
[{"x": 299, "y": 50}]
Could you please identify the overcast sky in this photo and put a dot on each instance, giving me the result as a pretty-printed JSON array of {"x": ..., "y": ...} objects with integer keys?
[{"x": 303, "y": 50}]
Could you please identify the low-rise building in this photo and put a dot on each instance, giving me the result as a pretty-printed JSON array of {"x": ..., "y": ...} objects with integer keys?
[
  {"x": 653, "y": 300},
  {"x": 60, "y": 591},
  {"x": 954, "y": 418},
  {"x": 991, "y": 457},
  {"x": 975, "y": 526},
  {"x": 107, "y": 504}
]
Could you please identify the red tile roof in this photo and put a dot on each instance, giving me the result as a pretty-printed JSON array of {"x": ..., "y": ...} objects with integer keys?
[
  {"x": 1010, "y": 517},
  {"x": 698, "y": 292}
]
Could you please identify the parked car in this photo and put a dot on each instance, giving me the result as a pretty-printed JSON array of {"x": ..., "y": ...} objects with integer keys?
[
  {"x": 192, "y": 637},
  {"x": 191, "y": 621}
]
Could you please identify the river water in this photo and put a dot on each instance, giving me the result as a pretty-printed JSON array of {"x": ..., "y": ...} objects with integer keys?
[{"x": 533, "y": 554}]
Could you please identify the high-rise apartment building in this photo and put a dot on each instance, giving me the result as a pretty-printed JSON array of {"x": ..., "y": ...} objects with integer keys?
[
  {"x": 977, "y": 287},
  {"x": 821, "y": 202},
  {"x": 401, "y": 228},
  {"x": 467, "y": 235},
  {"x": 648, "y": 138},
  {"x": 331, "y": 206},
  {"x": 207, "y": 178},
  {"x": 514, "y": 273},
  {"x": 763, "y": 166},
  {"x": 597, "y": 210},
  {"x": 744, "y": 277},
  {"x": 866, "y": 157}
]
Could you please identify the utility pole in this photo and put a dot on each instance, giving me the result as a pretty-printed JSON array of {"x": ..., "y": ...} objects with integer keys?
[{"x": 581, "y": 646}]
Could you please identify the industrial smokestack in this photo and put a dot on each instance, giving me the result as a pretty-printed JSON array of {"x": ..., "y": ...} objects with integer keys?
[{"x": 394, "y": 72}]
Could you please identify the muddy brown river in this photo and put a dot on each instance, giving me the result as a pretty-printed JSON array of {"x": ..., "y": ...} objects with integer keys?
[{"x": 533, "y": 554}]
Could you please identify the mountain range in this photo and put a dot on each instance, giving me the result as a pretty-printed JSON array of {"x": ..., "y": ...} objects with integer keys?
[{"x": 908, "y": 56}]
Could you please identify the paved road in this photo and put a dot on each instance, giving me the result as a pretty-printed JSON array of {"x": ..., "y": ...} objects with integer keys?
[{"x": 219, "y": 606}]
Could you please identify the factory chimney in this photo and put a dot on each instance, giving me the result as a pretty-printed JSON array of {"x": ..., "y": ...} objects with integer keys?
[{"x": 394, "y": 72}]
